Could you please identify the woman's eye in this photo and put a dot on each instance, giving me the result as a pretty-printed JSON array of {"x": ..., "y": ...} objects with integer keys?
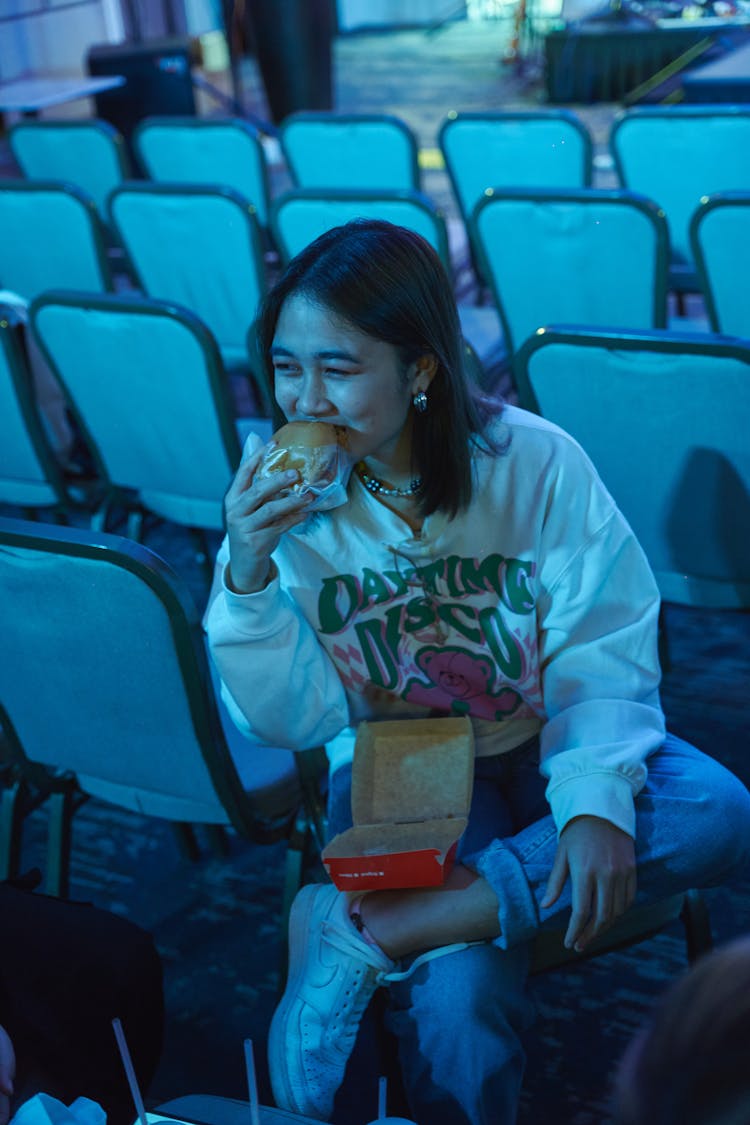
[{"x": 285, "y": 369}]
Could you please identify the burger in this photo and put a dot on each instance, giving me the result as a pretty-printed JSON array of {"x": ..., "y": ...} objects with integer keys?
[{"x": 312, "y": 448}]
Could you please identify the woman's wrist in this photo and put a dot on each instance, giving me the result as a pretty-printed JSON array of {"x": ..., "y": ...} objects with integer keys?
[{"x": 247, "y": 584}]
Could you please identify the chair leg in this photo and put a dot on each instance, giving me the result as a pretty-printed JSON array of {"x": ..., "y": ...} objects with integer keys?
[
  {"x": 12, "y": 809},
  {"x": 311, "y": 766},
  {"x": 187, "y": 842},
  {"x": 218, "y": 840},
  {"x": 134, "y": 525},
  {"x": 663, "y": 642},
  {"x": 62, "y": 806},
  {"x": 293, "y": 866},
  {"x": 695, "y": 918}
]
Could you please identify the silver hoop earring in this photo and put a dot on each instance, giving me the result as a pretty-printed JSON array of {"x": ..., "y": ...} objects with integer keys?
[{"x": 420, "y": 402}]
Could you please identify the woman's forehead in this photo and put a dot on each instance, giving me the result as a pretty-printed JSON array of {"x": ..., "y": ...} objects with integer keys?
[{"x": 305, "y": 324}]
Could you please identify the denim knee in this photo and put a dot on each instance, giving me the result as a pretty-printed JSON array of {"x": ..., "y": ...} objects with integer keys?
[{"x": 692, "y": 817}]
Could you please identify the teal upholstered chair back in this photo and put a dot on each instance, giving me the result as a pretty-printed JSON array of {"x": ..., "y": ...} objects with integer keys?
[
  {"x": 720, "y": 239},
  {"x": 105, "y": 682},
  {"x": 199, "y": 247},
  {"x": 677, "y": 154},
  {"x": 299, "y": 216},
  {"x": 332, "y": 150},
  {"x": 29, "y": 474},
  {"x": 665, "y": 418},
  {"x": 212, "y": 150},
  {"x": 88, "y": 153},
  {"x": 584, "y": 257},
  {"x": 50, "y": 236},
  {"x": 548, "y": 148},
  {"x": 146, "y": 384},
  {"x": 97, "y": 627}
]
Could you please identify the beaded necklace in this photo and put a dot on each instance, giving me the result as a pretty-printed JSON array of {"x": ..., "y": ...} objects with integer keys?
[{"x": 372, "y": 484}]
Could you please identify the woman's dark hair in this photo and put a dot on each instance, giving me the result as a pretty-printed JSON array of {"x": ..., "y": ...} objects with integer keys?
[
  {"x": 689, "y": 1066},
  {"x": 390, "y": 284}
]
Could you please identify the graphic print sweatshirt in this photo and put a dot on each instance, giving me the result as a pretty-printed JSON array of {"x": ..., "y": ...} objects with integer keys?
[{"x": 534, "y": 610}]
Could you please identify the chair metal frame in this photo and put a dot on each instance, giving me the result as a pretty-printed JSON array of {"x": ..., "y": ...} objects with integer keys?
[{"x": 711, "y": 206}]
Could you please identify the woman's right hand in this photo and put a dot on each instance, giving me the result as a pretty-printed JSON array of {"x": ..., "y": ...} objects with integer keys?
[{"x": 256, "y": 517}]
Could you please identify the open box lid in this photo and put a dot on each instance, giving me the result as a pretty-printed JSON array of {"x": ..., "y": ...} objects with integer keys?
[{"x": 412, "y": 770}]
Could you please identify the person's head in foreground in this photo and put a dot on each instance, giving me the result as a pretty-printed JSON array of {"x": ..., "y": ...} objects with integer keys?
[
  {"x": 373, "y": 299},
  {"x": 691, "y": 1063}
]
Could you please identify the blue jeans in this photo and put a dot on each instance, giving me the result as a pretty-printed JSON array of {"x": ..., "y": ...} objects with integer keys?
[{"x": 458, "y": 1017}]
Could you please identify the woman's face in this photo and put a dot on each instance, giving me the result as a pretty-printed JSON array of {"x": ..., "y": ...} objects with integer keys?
[{"x": 325, "y": 369}]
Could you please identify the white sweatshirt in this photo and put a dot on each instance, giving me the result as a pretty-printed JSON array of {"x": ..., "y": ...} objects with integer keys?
[{"x": 532, "y": 610}]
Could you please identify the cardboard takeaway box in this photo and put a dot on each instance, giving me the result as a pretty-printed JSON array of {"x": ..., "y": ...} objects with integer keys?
[{"x": 411, "y": 792}]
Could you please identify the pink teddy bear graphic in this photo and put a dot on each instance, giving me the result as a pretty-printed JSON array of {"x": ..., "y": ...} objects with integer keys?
[{"x": 460, "y": 682}]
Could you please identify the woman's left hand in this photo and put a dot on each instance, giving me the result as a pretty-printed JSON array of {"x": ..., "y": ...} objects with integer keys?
[{"x": 600, "y": 859}]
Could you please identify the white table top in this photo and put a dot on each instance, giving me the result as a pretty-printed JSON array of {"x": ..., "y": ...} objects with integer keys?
[{"x": 26, "y": 95}]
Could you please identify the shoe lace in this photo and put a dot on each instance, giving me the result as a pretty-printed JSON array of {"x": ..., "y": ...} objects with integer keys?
[{"x": 441, "y": 951}]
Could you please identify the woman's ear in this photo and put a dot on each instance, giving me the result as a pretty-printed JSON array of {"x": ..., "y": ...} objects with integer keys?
[{"x": 424, "y": 371}]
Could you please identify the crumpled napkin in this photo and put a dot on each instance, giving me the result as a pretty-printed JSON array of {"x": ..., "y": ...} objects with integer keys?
[{"x": 43, "y": 1109}]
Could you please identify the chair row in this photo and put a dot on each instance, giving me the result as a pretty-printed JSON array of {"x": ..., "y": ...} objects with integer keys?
[
  {"x": 201, "y": 247},
  {"x": 674, "y": 155},
  {"x": 663, "y": 414}
]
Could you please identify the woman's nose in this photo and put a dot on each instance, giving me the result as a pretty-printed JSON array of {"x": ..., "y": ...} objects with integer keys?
[{"x": 311, "y": 399}]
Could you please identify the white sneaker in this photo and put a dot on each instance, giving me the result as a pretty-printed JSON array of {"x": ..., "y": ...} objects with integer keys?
[{"x": 333, "y": 973}]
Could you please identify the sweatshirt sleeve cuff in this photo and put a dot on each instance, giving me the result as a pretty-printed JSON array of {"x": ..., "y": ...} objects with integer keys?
[
  {"x": 612, "y": 800},
  {"x": 249, "y": 613}
]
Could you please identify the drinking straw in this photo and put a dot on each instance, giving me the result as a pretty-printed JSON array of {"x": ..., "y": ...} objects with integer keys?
[
  {"x": 251, "y": 1083},
  {"x": 382, "y": 1096},
  {"x": 127, "y": 1062}
]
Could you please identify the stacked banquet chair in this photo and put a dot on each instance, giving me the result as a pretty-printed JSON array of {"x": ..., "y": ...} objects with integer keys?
[
  {"x": 591, "y": 256},
  {"x": 52, "y": 236},
  {"x": 548, "y": 148},
  {"x": 485, "y": 151},
  {"x": 201, "y": 247},
  {"x": 213, "y": 150},
  {"x": 664, "y": 416},
  {"x": 88, "y": 153},
  {"x": 720, "y": 240},
  {"x": 372, "y": 151},
  {"x": 131, "y": 715},
  {"x": 676, "y": 155},
  {"x": 148, "y": 391}
]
